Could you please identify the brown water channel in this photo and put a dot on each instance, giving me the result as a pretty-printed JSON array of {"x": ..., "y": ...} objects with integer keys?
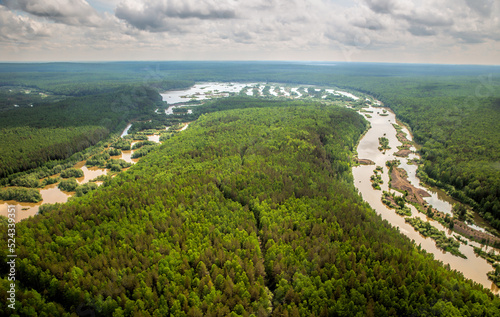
[
  {"x": 474, "y": 267},
  {"x": 51, "y": 194}
]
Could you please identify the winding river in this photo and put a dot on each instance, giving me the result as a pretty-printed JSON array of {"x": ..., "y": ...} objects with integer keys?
[{"x": 474, "y": 267}]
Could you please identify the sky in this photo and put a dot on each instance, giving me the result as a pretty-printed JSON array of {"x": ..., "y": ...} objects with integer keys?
[{"x": 394, "y": 31}]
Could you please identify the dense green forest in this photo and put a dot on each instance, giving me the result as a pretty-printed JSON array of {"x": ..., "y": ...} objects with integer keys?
[
  {"x": 32, "y": 136},
  {"x": 249, "y": 211}
]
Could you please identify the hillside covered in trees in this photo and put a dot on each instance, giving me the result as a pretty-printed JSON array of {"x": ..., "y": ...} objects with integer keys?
[{"x": 249, "y": 211}]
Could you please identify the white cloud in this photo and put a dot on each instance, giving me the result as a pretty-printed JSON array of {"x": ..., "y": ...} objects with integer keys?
[
  {"x": 213, "y": 29},
  {"x": 19, "y": 29},
  {"x": 72, "y": 12}
]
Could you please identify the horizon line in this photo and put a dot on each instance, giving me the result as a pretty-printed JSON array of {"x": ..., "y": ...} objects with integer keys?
[{"x": 242, "y": 61}]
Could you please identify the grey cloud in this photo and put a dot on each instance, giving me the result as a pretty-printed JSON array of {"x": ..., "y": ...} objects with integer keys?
[
  {"x": 349, "y": 36},
  {"x": 469, "y": 37},
  {"x": 242, "y": 37},
  {"x": 381, "y": 6},
  {"x": 76, "y": 12},
  {"x": 421, "y": 30},
  {"x": 428, "y": 18},
  {"x": 427, "y": 23},
  {"x": 369, "y": 23},
  {"x": 482, "y": 7},
  {"x": 159, "y": 15}
]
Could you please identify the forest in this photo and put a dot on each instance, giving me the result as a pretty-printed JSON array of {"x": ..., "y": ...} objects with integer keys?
[
  {"x": 248, "y": 212},
  {"x": 252, "y": 210},
  {"x": 32, "y": 136}
]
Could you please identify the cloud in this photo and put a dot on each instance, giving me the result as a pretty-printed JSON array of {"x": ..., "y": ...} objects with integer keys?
[
  {"x": 71, "y": 12},
  {"x": 20, "y": 29},
  {"x": 164, "y": 15},
  {"x": 482, "y": 7},
  {"x": 382, "y": 6},
  {"x": 421, "y": 30},
  {"x": 469, "y": 37},
  {"x": 257, "y": 29}
]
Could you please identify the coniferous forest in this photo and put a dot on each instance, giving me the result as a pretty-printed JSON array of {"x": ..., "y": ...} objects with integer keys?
[{"x": 252, "y": 210}]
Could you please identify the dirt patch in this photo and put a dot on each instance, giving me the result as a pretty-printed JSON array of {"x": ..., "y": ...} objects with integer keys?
[
  {"x": 364, "y": 161},
  {"x": 403, "y": 153},
  {"x": 402, "y": 137},
  {"x": 467, "y": 231},
  {"x": 399, "y": 182}
]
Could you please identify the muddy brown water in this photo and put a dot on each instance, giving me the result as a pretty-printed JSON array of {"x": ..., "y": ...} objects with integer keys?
[
  {"x": 51, "y": 194},
  {"x": 474, "y": 267}
]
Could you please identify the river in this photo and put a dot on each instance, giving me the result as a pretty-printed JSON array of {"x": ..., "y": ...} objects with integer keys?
[
  {"x": 51, "y": 194},
  {"x": 474, "y": 267}
]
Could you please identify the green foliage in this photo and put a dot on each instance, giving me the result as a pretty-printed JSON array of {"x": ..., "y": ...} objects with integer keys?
[
  {"x": 376, "y": 178},
  {"x": 392, "y": 200},
  {"x": 27, "y": 147},
  {"x": 143, "y": 150},
  {"x": 250, "y": 211},
  {"x": 140, "y": 136},
  {"x": 29, "y": 180},
  {"x": 85, "y": 188},
  {"x": 114, "y": 152},
  {"x": 141, "y": 144},
  {"x": 20, "y": 194},
  {"x": 33, "y": 136},
  {"x": 98, "y": 159},
  {"x": 456, "y": 126},
  {"x": 442, "y": 241},
  {"x": 122, "y": 144},
  {"x": 68, "y": 185},
  {"x": 495, "y": 275},
  {"x": 460, "y": 211},
  {"x": 117, "y": 165},
  {"x": 384, "y": 144},
  {"x": 49, "y": 181},
  {"x": 72, "y": 172}
]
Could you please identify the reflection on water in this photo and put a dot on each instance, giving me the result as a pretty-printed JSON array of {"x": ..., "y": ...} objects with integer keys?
[
  {"x": 155, "y": 138},
  {"x": 127, "y": 157},
  {"x": 203, "y": 91},
  {"x": 89, "y": 173},
  {"x": 125, "y": 132},
  {"x": 473, "y": 267},
  {"x": 50, "y": 195}
]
